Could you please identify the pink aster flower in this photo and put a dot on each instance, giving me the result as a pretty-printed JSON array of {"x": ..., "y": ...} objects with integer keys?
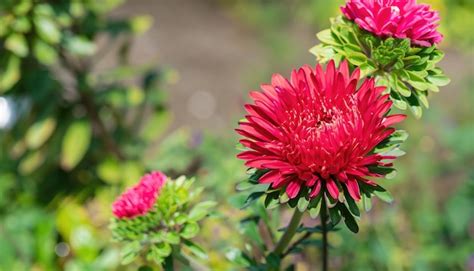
[
  {"x": 396, "y": 18},
  {"x": 316, "y": 130},
  {"x": 139, "y": 199}
]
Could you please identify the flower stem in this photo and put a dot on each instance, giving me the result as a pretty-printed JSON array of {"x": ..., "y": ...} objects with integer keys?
[
  {"x": 324, "y": 218},
  {"x": 289, "y": 233},
  {"x": 168, "y": 264}
]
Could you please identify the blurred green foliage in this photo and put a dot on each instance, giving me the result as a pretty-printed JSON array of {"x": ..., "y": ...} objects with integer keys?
[
  {"x": 77, "y": 134},
  {"x": 176, "y": 216},
  {"x": 80, "y": 133}
]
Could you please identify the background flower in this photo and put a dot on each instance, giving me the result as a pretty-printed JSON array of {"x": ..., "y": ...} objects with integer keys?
[
  {"x": 396, "y": 18},
  {"x": 317, "y": 130},
  {"x": 139, "y": 199}
]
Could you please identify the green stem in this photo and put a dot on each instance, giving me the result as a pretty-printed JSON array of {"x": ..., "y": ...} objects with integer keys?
[
  {"x": 168, "y": 265},
  {"x": 289, "y": 233},
  {"x": 324, "y": 218}
]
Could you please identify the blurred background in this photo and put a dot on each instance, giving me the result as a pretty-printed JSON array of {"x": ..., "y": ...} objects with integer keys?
[{"x": 95, "y": 93}]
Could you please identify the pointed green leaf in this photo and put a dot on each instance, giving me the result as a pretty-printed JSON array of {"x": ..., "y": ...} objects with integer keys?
[
  {"x": 439, "y": 80},
  {"x": 201, "y": 210},
  {"x": 47, "y": 29},
  {"x": 325, "y": 36},
  {"x": 302, "y": 204},
  {"x": 195, "y": 249},
  {"x": 40, "y": 132},
  {"x": 190, "y": 230},
  {"x": 10, "y": 73},
  {"x": 356, "y": 59},
  {"x": 44, "y": 52},
  {"x": 385, "y": 196},
  {"x": 17, "y": 44},
  {"x": 75, "y": 144}
]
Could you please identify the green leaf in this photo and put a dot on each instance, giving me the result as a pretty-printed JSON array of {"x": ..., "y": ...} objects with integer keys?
[
  {"x": 439, "y": 80},
  {"x": 256, "y": 176},
  {"x": 31, "y": 162},
  {"x": 251, "y": 198},
  {"x": 130, "y": 252},
  {"x": 22, "y": 7},
  {"x": 40, "y": 132},
  {"x": 195, "y": 249},
  {"x": 356, "y": 59},
  {"x": 271, "y": 200},
  {"x": 201, "y": 210},
  {"x": 284, "y": 198},
  {"x": 385, "y": 196},
  {"x": 17, "y": 44},
  {"x": 190, "y": 230},
  {"x": 367, "y": 202},
  {"x": 156, "y": 125},
  {"x": 274, "y": 261},
  {"x": 351, "y": 203},
  {"x": 75, "y": 144},
  {"x": 381, "y": 170},
  {"x": 302, "y": 204},
  {"x": 44, "y": 52},
  {"x": 334, "y": 215},
  {"x": 109, "y": 171},
  {"x": 245, "y": 185},
  {"x": 141, "y": 24},
  {"x": 414, "y": 105},
  {"x": 398, "y": 101},
  {"x": 171, "y": 238},
  {"x": 325, "y": 36},
  {"x": 367, "y": 69},
  {"x": 349, "y": 220},
  {"x": 161, "y": 249},
  {"x": 401, "y": 87},
  {"x": 47, "y": 29},
  {"x": 421, "y": 95},
  {"x": 80, "y": 46},
  {"x": 9, "y": 75}
]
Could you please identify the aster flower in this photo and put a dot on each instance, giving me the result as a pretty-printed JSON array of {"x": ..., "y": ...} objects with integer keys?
[
  {"x": 393, "y": 41},
  {"x": 396, "y": 18},
  {"x": 139, "y": 199},
  {"x": 317, "y": 131},
  {"x": 157, "y": 216}
]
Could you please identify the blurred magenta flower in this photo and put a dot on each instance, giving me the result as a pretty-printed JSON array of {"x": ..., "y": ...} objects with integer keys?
[
  {"x": 396, "y": 18},
  {"x": 316, "y": 130},
  {"x": 138, "y": 200}
]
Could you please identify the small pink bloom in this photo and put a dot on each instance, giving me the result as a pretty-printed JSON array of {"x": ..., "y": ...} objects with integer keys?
[
  {"x": 139, "y": 199},
  {"x": 316, "y": 130},
  {"x": 396, "y": 18}
]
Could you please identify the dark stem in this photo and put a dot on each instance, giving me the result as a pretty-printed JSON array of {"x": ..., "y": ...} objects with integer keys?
[
  {"x": 168, "y": 265},
  {"x": 84, "y": 90},
  {"x": 324, "y": 218},
  {"x": 289, "y": 233},
  {"x": 93, "y": 115}
]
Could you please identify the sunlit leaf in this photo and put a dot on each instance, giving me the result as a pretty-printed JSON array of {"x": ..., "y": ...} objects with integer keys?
[
  {"x": 40, "y": 132},
  {"x": 31, "y": 162},
  {"x": 141, "y": 24},
  {"x": 47, "y": 29},
  {"x": 17, "y": 44},
  {"x": 75, "y": 144},
  {"x": 80, "y": 46},
  {"x": 10, "y": 73},
  {"x": 44, "y": 52}
]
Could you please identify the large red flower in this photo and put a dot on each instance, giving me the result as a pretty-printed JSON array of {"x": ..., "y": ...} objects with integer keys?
[
  {"x": 317, "y": 130},
  {"x": 396, "y": 18},
  {"x": 138, "y": 200}
]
